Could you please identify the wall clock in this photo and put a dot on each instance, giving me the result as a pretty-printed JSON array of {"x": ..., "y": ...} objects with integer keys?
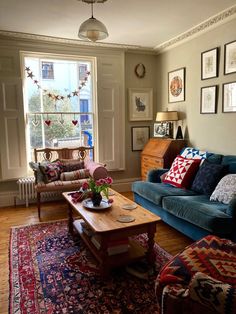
[{"x": 140, "y": 70}]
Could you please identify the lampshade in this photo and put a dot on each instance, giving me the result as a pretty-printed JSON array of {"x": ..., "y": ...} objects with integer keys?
[
  {"x": 92, "y": 29},
  {"x": 167, "y": 116}
]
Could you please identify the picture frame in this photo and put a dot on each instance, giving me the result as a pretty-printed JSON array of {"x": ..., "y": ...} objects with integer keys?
[
  {"x": 140, "y": 104},
  {"x": 161, "y": 129},
  {"x": 139, "y": 135},
  {"x": 176, "y": 85},
  {"x": 209, "y": 64},
  {"x": 229, "y": 97},
  {"x": 230, "y": 57},
  {"x": 208, "y": 99}
]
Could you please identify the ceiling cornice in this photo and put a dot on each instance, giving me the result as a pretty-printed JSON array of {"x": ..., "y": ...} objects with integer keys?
[
  {"x": 73, "y": 42},
  {"x": 220, "y": 18},
  {"x": 198, "y": 30}
]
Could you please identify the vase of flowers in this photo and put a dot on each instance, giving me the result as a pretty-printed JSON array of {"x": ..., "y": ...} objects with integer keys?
[{"x": 94, "y": 188}]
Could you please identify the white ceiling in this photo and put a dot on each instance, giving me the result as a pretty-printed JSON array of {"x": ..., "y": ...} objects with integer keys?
[{"x": 145, "y": 23}]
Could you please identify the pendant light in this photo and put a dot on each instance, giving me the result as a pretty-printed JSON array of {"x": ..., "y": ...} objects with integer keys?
[{"x": 92, "y": 29}]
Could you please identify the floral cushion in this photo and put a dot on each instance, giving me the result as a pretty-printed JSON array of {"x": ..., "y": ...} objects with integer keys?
[
  {"x": 182, "y": 172},
  {"x": 225, "y": 189},
  {"x": 74, "y": 175}
]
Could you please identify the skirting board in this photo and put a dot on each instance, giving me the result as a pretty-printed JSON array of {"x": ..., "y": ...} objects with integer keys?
[{"x": 8, "y": 198}]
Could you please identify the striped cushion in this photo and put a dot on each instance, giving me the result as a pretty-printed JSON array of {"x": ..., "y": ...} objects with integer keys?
[{"x": 74, "y": 175}]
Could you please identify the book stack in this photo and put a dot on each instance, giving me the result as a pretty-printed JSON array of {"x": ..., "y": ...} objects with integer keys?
[{"x": 114, "y": 246}]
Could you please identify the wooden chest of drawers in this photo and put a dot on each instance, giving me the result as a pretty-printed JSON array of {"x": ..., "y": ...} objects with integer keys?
[{"x": 159, "y": 153}]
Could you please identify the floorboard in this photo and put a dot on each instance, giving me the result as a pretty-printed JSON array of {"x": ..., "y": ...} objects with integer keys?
[{"x": 168, "y": 238}]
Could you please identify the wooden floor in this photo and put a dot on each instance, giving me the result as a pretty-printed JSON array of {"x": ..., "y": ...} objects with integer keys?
[{"x": 168, "y": 238}]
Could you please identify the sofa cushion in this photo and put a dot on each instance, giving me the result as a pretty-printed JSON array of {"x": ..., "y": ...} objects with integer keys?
[
  {"x": 230, "y": 161},
  {"x": 74, "y": 175},
  {"x": 207, "y": 178},
  {"x": 182, "y": 172},
  {"x": 193, "y": 153},
  {"x": 71, "y": 164},
  {"x": 60, "y": 186},
  {"x": 225, "y": 189},
  {"x": 154, "y": 192},
  {"x": 39, "y": 177},
  {"x": 200, "y": 211},
  {"x": 51, "y": 171}
]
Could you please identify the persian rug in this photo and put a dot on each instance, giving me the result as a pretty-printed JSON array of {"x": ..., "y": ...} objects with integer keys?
[{"x": 50, "y": 272}]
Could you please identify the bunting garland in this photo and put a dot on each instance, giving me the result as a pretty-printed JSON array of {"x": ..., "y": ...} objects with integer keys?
[{"x": 57, "y": 96}]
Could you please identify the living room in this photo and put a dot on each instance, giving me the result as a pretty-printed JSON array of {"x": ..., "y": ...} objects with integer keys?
[{"x": 208, "y": 132}]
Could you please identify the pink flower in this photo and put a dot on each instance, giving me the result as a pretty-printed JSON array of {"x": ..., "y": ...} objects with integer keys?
[
  {"x": 100, "y": 182},
  {"x": 85, "y": 186},
  {"x": 109, "y": 180}
]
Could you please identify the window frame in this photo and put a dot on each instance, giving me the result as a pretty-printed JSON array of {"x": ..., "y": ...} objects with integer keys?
[{"x": 52, "y": 56}]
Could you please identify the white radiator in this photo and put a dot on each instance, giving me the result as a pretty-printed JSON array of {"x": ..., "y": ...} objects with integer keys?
[{"x": 27, "y": 191}]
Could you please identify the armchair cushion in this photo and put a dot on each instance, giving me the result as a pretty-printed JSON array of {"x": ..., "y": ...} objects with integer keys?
[
  {"x": 71, "y": 164},
  {"x": 50, "y": 170}
]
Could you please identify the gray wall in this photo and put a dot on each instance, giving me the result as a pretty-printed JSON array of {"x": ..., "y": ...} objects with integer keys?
[
  {"x": 132, "y": 159},
  {"x": 213, "y": 132}
]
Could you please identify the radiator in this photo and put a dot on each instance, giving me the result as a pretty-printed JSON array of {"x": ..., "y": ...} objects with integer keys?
[{"x": 26, "y": 191}]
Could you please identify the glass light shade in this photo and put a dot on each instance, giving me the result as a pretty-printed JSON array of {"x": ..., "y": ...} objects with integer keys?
[
  {"x": 93, "y": 30},
  {"x": 167, "y": 116}
]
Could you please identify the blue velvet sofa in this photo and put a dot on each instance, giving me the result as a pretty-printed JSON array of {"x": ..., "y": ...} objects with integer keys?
[{"x": 191, "y": 213}]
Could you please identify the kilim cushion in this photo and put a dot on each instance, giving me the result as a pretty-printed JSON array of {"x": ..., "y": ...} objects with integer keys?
[
  {"x": 74, "y": 175},
  {"x": 51, "y": 171},
  {"x": 182, "y": 172},
  {"x": 225, "y": 190},
  {"x": 207, "y": 178},
  {"x": 71, "y": 164}
]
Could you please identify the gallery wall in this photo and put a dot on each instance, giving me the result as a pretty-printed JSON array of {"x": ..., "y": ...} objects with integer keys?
[{"x": 212, "y": 132}]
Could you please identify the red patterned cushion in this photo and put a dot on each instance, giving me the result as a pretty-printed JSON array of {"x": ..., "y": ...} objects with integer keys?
[
  {"x": 51, "y": 171},
  {"x": 182, "y": 172}
]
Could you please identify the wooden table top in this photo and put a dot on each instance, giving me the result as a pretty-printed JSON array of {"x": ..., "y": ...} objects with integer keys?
[{"x": 106, "y": 220}]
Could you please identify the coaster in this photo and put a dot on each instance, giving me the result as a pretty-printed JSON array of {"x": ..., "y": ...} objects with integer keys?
[
  {"x": 129, "y": 206},
  {"x": 125, "y": 218}
]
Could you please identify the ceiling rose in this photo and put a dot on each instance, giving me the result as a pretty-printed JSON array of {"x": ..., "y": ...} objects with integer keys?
[{"x": 93, "y": 1}]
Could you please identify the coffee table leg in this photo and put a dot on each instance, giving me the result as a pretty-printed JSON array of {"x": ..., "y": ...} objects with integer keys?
[
  {"x": 151, "y": 234},
  {"x": 70, "y": 220},
  {"x": 104, "y": 266}
]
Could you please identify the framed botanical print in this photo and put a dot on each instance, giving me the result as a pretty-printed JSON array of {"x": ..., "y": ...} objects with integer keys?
[
  {"x": 140, "y": 104},
  {"x": 140, "y": 136},
  {"x": 176, "y": 85},
  {"x": 209, "y": 64},
  {"x": 230, "y": 58},
  {"x": 229, "y": 97},
  {"x": 208, "y": 99}
]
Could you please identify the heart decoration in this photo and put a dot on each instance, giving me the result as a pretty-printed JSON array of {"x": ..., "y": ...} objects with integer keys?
[
  {"x": 35, "y": 122},
  {"x": 74, "y": 122},
  {"x": 48, "y": 122}
]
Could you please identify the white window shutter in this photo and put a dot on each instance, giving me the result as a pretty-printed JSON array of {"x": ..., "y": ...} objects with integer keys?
[
  {"x": 13, "y": 159},
  {"x": 111, "y": 119}
]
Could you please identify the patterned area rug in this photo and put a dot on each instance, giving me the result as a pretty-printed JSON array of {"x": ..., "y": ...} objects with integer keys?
[{"x": 52, "y": 273}]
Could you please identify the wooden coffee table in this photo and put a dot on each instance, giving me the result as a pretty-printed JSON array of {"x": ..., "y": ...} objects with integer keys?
[{"x": 104, "y": 223}]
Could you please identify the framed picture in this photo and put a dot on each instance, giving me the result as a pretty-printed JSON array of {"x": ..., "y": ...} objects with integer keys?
[
  {"x": 208, "y": 99},
  {"x": 176, "y": 85},
  {"x": 230, "y": 58},
  {"x": 160, "y": 129},
  {"x": 229, "y": 97},
  {"x": 140, "y": 136},
  {"x": 140, "y": 104},
  {"x": 209, "y": 64}
]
